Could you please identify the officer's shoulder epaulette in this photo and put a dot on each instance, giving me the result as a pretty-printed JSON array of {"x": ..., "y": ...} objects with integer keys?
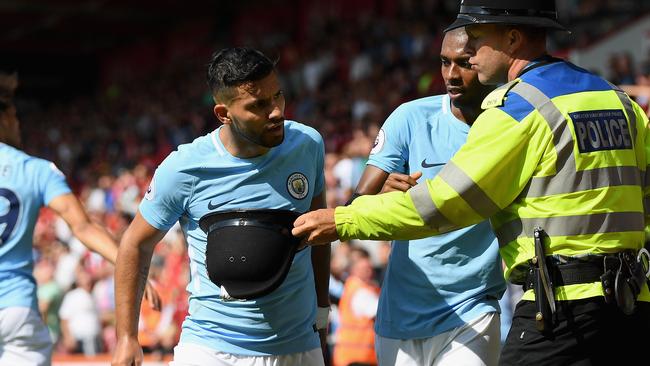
[{"x": 498, "y": 95}]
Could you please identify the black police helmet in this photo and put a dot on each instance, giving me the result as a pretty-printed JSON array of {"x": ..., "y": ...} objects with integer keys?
[
  {"x": 249, "y": 252},
  {"x": 535, "y": 13}
]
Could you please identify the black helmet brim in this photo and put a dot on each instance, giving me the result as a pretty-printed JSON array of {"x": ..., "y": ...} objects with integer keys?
[{"x": 464, "y": 20}]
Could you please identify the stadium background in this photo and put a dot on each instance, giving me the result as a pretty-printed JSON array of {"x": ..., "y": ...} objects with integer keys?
[{"x": 110, "y": 87}]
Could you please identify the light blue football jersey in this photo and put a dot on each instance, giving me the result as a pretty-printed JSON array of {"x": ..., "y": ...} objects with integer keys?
[
  {"x": 201, "y": 178},
  {"x": 434, "y": 284},
  {"x": 26, "y": 184}
]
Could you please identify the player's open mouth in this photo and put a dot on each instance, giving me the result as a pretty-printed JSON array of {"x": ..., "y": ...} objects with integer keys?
[
  {"x": 455, "y": 91},
  {"x": 275, "y": 127}
]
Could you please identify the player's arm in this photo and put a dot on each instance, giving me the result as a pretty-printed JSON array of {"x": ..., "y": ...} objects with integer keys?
[
  {"x": 372, "y": 180},
  {"x": 93, "y": 236},
  {"x": 320, "y": 261},
  {"x": 375, "y": 180},
  {"x": 90, "y": 234},
  {"x": 131, "y": 271}
]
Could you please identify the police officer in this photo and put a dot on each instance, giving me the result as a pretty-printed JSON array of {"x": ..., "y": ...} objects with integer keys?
[{"x": 558, "y": 162}]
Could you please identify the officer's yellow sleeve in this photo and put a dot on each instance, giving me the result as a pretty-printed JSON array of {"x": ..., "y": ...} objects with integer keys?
[
  {"x": 493, "y": 167},
  {"x": 484, "y": 176},
  {"x": 644, "y": 134},
  {"x": 389, "y": 216}
]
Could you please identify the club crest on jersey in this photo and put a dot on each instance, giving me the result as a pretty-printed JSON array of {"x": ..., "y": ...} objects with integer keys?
[
  {"x": 601, "y": 130},
  {"x": 298, "y": 186},
  {"x": 379, "y": 142}
]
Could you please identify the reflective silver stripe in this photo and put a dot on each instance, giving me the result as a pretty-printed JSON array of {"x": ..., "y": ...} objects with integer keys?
[
  {"x": 427, "y": 208},
  {"x": 565, "y": 165},
  {"x": 584, "y": 180},
  {"x": 646, "y": 176},
  {"x": 562, "y": 138},
  {"x": 629, "y": 110},
  {"x": 646, "y": 205},
  {"x": 468, "y": 190},
  {"x": 612, "y": 222}
]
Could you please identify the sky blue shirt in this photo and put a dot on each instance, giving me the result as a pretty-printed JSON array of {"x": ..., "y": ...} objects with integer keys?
[
  {"x": 203, "y": 174},
  {"x": 434, "y": 284},
  {"x": 26, "y": 184}
]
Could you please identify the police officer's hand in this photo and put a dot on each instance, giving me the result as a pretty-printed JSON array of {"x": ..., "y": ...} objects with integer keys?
[
  {"x": 400, "y": 182},
  {"x": 127, "y": 352},
  {"x": 316, "y": 227}
]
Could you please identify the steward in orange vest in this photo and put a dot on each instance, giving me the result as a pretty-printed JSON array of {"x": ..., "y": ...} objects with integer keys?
[{"x": 355, "y": 337}]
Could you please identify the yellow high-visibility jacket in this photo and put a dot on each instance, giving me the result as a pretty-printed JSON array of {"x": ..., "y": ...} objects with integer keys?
[{"x": 558, "y": 148}]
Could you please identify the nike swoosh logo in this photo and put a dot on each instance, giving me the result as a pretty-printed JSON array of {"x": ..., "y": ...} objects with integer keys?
[
  {"x": 211, "y": 206},
  {"x": 425, "y": 165}
]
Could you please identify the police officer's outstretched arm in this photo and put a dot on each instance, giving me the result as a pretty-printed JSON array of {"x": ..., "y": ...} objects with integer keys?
[
  {"x": 374, "y": 180},
  {"x": 484, "y": 176},
  {"x": 131, "y": 271}
]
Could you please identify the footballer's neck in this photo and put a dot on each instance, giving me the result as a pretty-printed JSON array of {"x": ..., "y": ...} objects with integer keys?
[{"x": 239, "y": 145}]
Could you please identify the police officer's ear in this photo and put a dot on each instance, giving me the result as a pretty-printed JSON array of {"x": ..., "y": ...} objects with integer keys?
[
  {"x": 220, "y": 111},
  {"x": 515, "y": 39}
]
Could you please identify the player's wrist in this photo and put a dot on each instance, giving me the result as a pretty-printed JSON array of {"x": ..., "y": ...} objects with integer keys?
[{"x": 322, "y": 317}]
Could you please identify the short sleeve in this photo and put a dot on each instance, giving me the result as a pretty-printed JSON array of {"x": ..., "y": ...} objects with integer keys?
[
  {"x": 390, "y": 151},
  {"x": 52, "y": 182},
  {"x": 167, "y": 196}
]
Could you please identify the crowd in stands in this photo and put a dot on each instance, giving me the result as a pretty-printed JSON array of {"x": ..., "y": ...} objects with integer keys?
[{"x": 342, "y": 77}]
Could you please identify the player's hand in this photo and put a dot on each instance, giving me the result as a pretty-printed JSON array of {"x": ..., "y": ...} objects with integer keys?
[
  {"x": 400, "y": 182},
  {"x": 322, "y": 334},
  {"x": 127, "y": 352},
  {"x": 316, "y": 227},
  {"x": 152, "y": 296}
]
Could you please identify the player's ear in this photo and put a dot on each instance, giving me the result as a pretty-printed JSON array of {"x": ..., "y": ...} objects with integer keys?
[{"x": 221, "y": 112}]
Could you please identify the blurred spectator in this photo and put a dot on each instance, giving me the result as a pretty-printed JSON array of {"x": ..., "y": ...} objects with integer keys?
[
  {"x": 104, "y": 296},
  {"x": 65, "y": 266},
  {"x": 621, "y": 69},
  {"x": 348, "y": 170},
  {"x": 80, "y": 324},
  {"x": 49, "y": 296},
  {"x": 355, "y": 337}
]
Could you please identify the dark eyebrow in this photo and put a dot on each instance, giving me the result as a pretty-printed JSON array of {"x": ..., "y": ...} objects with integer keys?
[{"x": 264, "y": 100}]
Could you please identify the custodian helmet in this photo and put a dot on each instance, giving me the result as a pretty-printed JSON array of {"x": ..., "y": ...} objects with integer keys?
[{"x": 535, "y": 13}]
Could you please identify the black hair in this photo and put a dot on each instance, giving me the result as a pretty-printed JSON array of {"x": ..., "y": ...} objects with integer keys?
[
  {"x": 232, "y": 67},
  {"x": 8, "y": 85}
]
